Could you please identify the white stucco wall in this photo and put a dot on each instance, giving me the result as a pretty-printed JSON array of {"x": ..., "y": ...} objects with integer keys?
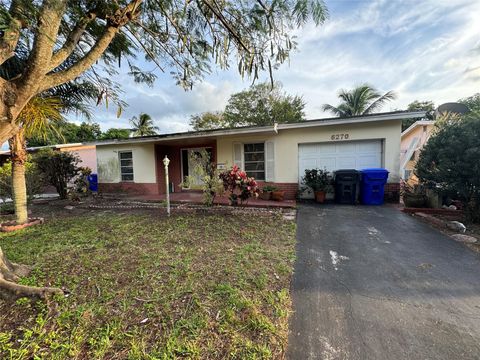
[
  {"x": 286, "y": 145},
  {"x": 108, "y": 163}
]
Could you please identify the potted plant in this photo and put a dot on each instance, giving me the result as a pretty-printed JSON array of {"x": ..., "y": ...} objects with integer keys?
[
  {"x": 266, "y": 193},
  {"x": 278, "y": 195},
  {"x": 318, "y": 181},
  {"x": 413, "y": 195}
]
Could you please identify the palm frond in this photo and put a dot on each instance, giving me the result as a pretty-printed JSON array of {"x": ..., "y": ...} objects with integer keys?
[
  {"x": 390, "y": 95},
  {"x": 334, "y": 110},
  {"x": 40, "y": 116}
]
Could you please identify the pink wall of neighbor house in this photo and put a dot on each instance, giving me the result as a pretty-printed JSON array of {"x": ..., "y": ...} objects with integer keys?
[
  {"x": 86, "y": 153},
  {"x": 422, "y": 130}
]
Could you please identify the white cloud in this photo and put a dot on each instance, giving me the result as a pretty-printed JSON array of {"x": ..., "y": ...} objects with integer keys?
[{"x": 423, "y": 50}]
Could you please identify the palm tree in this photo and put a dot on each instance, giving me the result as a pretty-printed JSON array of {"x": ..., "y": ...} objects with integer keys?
[
  {"x": 361, "y": 100},
  {"x": 38, "y": 117},
  {"x": 143, "y": 125}
]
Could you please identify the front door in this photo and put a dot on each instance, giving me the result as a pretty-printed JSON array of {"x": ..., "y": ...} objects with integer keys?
[{"x": 189, "y": 164}]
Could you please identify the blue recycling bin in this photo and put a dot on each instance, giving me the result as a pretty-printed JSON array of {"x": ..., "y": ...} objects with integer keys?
[
  {"x": 372, "y": 186},
  {"x": 93, "y": 182}
]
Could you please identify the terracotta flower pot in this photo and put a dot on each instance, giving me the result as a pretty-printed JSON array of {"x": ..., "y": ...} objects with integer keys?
[
  {"x": 320, "y": 196},
  {"x": 278, "y": 195}
]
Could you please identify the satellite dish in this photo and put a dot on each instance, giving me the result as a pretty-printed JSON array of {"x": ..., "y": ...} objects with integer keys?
[{"x": 453, "y": 107}]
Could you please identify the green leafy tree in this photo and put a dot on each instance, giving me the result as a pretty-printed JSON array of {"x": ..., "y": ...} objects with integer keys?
[
  {"x": 114, "y": 133},
  {"x": 60, "y": 40},
  {"x": 208, "y": 120},
  {"x": 68, "y": 132},
  {"x": 88, "y": 132},
  {"x": 143, "y": 125},
  {"x": 472, "y": 102},
  {"x": 59, "y": 168},
  {"x": 263, "y": 105},
  {"x": 361, "y": 100},
  {"x": 416, "y": 105},
  {"x": 450, "y": 160}
]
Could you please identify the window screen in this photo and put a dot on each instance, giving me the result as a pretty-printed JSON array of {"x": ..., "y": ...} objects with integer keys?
[
  {"x": 126, "y": 165},
  {"x": 254, "y": 160}
]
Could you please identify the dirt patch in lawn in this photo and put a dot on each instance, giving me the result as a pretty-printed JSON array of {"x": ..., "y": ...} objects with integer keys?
[{"x": 196, "y": 285}]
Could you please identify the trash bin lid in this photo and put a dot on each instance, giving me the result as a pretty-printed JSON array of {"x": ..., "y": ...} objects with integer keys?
[
  {"x": 375, "y": 173},
  {"x": 374, "y": 170},
  {"x": 347, "y": 174}
]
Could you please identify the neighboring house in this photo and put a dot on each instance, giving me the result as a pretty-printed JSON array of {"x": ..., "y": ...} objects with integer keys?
[
  {"x": 413, "y": 140},
  {"x": 86, "y": 153},
  {"x": 276, "y": 154}
]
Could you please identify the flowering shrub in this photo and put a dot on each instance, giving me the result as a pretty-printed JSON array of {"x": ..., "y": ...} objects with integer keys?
[{"x": 239, "y": 185}]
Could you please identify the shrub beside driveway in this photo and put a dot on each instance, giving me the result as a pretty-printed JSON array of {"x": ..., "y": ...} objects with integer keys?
[{"x": 146, "y": 286}]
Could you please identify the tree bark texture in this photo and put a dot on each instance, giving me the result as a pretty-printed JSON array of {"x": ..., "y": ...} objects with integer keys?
[
  {"x": 18, "y": 154},
  {"x": 10, "y": 273}
]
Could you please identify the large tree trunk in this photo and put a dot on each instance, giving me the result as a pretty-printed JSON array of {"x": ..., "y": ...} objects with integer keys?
[
  {"x": 18, "y": 155},
  {"x": 10, "y": 272}
]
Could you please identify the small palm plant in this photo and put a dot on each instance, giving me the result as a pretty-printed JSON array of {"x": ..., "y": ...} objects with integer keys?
[
  {"x": 143, "y": 125},
  {"x": 362, "y": 100}
]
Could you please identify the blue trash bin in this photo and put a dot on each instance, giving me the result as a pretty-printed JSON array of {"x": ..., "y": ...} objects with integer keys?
[
  {"x": 373, "y": 186},
  {"x": 93, "y": 182}
]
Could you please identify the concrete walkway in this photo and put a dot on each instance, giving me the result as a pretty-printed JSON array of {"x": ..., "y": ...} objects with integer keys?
[{"x": 374, "y": 283}]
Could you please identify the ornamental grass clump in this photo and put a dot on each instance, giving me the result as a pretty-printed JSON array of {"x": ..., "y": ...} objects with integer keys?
[{"x": 240, "y": 186}]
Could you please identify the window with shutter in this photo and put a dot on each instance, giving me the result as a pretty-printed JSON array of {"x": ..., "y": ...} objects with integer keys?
[{"x": 237, "y": 154}]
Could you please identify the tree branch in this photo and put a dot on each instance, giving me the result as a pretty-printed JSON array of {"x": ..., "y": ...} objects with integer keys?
[
  {"x": 83, "y": 64},
  {"x": 72, "y": 40},
  {"x": 11, "y": 34},
  {"x": 225, "y": 23},
  {"x": 45, "y": 37},
  {"x": 114, "y": 23}
]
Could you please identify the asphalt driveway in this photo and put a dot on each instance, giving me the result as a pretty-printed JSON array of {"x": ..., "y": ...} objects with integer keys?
[{"x": 374, "y": 283}]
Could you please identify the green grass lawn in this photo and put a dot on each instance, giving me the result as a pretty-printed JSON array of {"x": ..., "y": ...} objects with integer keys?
[{"x": 146, "y": 287}]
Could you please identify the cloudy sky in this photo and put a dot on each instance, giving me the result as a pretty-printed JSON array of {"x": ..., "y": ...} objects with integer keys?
[{"x": 425, "y": 50}]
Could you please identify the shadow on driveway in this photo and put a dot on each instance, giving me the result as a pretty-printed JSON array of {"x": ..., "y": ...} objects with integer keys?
[{"x": 374, "y": 283}]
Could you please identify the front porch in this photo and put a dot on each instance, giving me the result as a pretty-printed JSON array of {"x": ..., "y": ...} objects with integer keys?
[{"x": 194, "y": 197}]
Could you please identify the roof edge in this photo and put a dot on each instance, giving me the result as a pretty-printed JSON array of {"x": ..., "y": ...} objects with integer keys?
[
  {"x": 415, "y": 124},
  {"x": 397, "y": 115}
]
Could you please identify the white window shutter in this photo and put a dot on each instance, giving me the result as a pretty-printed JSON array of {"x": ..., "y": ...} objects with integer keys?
[
  {"x": 270, "y": 161},
  {"x": 237, "y": 154}
]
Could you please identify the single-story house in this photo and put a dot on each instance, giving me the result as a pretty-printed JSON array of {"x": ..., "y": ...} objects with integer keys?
[
  {"x": 413, "y": 139},
  {"x": 277, "y": 154}
]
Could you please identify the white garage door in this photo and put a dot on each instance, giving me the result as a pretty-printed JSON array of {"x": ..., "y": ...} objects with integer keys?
[{"x": 339, "y": 155}]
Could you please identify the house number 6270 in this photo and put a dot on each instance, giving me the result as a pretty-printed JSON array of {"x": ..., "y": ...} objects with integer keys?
[{"x": 339, "y": 136}]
